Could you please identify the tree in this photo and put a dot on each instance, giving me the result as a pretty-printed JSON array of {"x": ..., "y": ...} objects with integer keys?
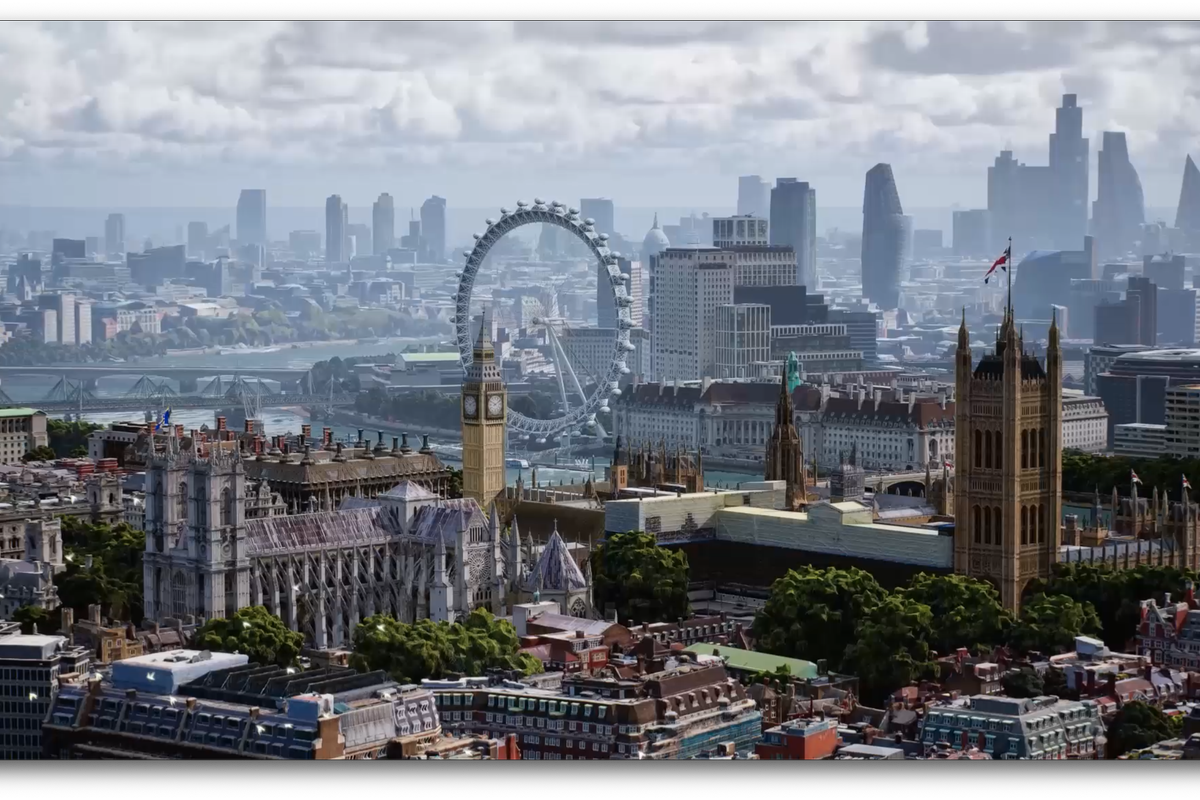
[
  {"x": 114, "y": 578},
  {"x": 1049, "y": 624},
  {"x": 966, "y": 612},
  {"x": 891, "y": 647},
  {"x": 454, "y": 487},
  {"x": 1136, "y": 725},
  {"x": 28, "y": 616},
  {"x": 778, "y": 678},
  {"x": 410, "y": 653},
  {"x": 69, "y": 438},
  {"x": 1024, "y": 682},
  {"x": 1054, "y": 682},
  {"x": 42, "y": 453},
  {"x": 814, "y": 613},
  {"x": 640, "y": 580},
  {"x": 253, "y": 631}
]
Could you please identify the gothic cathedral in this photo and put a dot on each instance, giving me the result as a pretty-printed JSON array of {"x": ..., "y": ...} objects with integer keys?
[
  {"x": 785, "y": 452},
  {"x": 1008, "y": 448},
  {"x": 484, "y": 406}
]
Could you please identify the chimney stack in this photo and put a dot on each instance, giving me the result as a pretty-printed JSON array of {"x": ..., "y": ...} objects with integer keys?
[{"x": 220, "y": 423}]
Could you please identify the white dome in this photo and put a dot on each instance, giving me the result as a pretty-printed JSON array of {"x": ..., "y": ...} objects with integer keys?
[{"x": 655, "y": 242}]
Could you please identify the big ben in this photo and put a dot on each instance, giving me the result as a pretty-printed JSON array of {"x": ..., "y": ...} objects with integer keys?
[{"x": 484, "y": 406}]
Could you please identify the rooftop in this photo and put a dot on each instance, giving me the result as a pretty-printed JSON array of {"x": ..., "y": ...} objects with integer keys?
[
  {"x": 18, "y": 412},
  {"x": 750, "y": 661}
]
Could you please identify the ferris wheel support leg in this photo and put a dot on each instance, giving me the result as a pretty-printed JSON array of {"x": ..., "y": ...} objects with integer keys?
[{"x": 559, "y": 360}]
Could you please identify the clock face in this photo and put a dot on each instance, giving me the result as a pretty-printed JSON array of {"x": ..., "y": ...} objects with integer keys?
[
  {"x": 470, "y": 405},
  {"x": 495, "y": 405}
]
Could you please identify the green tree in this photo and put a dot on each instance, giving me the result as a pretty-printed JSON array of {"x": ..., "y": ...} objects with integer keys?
[
  {"x": 1024, "y": 682},
  {"x": 253, "y": 631},
  {"x": 114, "y": 578},
  {"x": 410, "y": 653},
  {"x": 814, "y": 613},
  {"x": 640, "y": 580},
  {"x": 1049, "y": 624},
  {"x": 454, "y": 488},
  {"x": 42, "y": 453},
  {"x": 1136, "y": 725},
  {"x": 69, "y": 438},
  {"x": 28, "y": 616},
  {"x": 778, "y": 678},
  {"x": 1054, "y": 682},
  {"x": 891, "y": 647},
  {"x": 966, "y": 612}
]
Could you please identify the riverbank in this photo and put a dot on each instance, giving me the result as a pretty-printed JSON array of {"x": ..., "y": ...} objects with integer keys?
[{"x": 225, "y": 349}]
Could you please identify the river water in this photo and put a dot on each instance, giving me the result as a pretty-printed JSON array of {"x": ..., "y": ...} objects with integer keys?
[{"x": 34, "y": 388}]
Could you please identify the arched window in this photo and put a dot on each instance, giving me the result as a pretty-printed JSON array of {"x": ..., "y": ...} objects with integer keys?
[
  {"x": 1024, "y": 525},
  {"x": 987, "y": 525},
  {"x": 999, "y": 449},
  {"x": 158, "y": 501},
  {"x": 226, "y": 507},
  {"x": 1024, "y": 449},
  {"x": 1041, "y": 523},
  {"x": 1042, "y": 447},
  {"x": 977, "y": 518},
  {"x": 987, "y": 458},
  {"x": 201, "y": 505},
  {"x": 999, "y": 540},
  {"x": 179, "y": 594},
  {"x": 181, "y": 504}
]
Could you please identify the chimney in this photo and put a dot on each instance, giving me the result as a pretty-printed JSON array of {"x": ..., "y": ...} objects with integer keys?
[
  {"x": 327, "y": 436},
  {"x": 249, "y": 426},
  {"x": 191, "y": 704},
  {"x": 220, "y": 423},
  {"x": 68, "y": 620},
  {"x": 1189, "y": 594},
  {"x": 306, "y": 431},
  {"x": 579, "y": 634},
  {"x": 1166, "y": 599},
  {"x": 94, "y": 614}
]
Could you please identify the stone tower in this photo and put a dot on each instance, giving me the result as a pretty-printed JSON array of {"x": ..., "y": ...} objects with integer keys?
[
  {"x": 785, "y": 453},
  {"x": 1008, "y": 475},
  {"x": 195, "y": 560},
  {"x": 484, "y": 406}
]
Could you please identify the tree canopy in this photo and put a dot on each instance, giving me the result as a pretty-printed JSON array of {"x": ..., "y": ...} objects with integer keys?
[
  {"x": 69, "y": 438},
  {"x": 253, "y": 631},
  {"x": 1024, "y": 682},
  {"x": 891, "y": 647},
  {"x": 41, "y": 453},
  {"x": 640, "y": 580},
  {"x": 410, "y": 653},
  {"x": 1137, "y": 725},
  {"x": 1049, "y": 624},
  {"x": 966, "y": 612},
  {"x": 114, "y": 578},
  {"x": 814, "y": 613}
]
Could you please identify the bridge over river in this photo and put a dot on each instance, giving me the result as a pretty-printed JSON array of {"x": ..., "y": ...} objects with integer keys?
[{"x": 189, "y": 378}]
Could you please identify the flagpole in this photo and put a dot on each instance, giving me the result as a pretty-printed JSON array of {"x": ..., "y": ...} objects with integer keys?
[{"x": 1009, "y": 271}]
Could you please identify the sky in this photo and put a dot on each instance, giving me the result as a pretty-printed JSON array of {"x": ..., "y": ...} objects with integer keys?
[{"x": 186, "y": 114}]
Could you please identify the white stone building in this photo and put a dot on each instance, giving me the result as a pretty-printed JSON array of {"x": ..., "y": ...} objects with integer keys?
[
  {"x": 1085, "y": 422},
  {"x": 689, "y": 285},
  {"x": 743, "y": 339}
]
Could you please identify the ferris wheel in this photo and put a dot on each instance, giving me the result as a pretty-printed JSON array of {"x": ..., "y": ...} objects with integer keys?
[{"x": 579, "y": 407}]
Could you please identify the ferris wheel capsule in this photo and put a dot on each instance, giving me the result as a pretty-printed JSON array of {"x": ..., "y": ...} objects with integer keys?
[
  {"x": 490, "y": 222},
  {"x": 503, "y": 211},
  {"x": 537, "y": 201},
  {"x": 521, "y": 204},
  {"x": 573, "y": 211},
  {"x": 589, "y": 222},
  {"x": 466, "y": 253}
]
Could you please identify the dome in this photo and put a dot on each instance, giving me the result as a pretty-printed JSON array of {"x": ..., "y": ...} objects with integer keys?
[{"x": 655, "y": 242}]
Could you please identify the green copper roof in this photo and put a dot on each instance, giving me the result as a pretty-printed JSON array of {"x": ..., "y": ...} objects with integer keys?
[
  {"x": 18, "y": 412},
  {"x": 750, "y": 661}
]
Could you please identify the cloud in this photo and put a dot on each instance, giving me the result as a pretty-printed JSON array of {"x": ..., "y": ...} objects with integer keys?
[{"x": 614, "y": 96}]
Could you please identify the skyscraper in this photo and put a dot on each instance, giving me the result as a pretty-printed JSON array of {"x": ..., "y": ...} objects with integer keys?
[
  {"x": 383, "y": 224},
  {"x": 882, "y": 238},
  {"x": 1119, "y": 211},
  {"x": 754, "y": 197},
  {"x": 197, "y": 240},
  {"x": 335, "y": 230},
  {"x": 793, "y": 208},
  {"x": 252, "y": 217},
  {"x": 690, "y": 283},
  {"x": 114, "y": 235},
  {"x": 1069, "y": 168},
  {"x": 601, "y": 210},
  {"x": 1187, "y": 218},
  {"x": 433, "y": 229}
]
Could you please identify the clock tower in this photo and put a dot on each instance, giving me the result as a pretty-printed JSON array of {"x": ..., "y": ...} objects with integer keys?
[{"x": 484, "y": 406}]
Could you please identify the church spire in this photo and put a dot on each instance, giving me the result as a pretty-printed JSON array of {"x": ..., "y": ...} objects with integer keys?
[{"x": 964, "y": 339}]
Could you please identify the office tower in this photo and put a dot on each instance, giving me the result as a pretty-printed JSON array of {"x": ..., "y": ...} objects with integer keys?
[
  {"x": 114, "y": 235},
  {"x": 1069, "y": 167},
  {"x": 360, "y": 234},
  {"x": 67, "y": 248},
  {"x": 1004, "y": 199},
  {"x": 252, "y": 217},
  {"x": 756, "y": 263},
  {"x": 412, "y": 240},
  {"x": 606, "y": 308},
  {"x": 433, "y": 229},
  {"x": 743, "y": 338},
  {"x": 972, "y": 233},
  {"x": 599, "y": 209},
  {"x": 1165, "y": 271},
  {"x": 1187, "y": 217},
  {"x": 157, "y": 265},
  {"x": 83, "y": 321},
  {"x": 63, "y": 306},
  {"x": 304, "y": 244},
  {"x": 1119, "y": 211},
  {"x": 908, "y": 244},
  {"x": 335, "y": 230},
  {"x": 882, "y": 239},
  {"x": 1147, "y": 294},
  {"x": 689, "y": 285},
  {"x": 754, "y": 197},
  {"x": 383, "y": 224},
  {"x": 31, "y": 666},
  {"x": 93, "y": 246},
  {"x": 1008, "y": 462},
  {"x": 794, "y": 223},
  {"x": 197, "y": 240}
]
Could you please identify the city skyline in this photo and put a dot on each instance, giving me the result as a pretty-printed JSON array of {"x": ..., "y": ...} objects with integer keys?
[{"x": 589, "y": 109}]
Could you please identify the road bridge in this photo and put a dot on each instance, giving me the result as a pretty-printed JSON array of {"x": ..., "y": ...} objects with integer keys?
[
  {"x": 93, "y": 404},
  {"x": 188, "y": 377}
]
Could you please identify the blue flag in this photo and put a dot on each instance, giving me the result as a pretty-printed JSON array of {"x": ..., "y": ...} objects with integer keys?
[{"x": 166, "y": 418}]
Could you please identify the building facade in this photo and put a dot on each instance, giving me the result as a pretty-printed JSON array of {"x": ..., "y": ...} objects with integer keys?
[
  {"x": 484, "y": 406},
  {"x": 21, "y": 430},
  {"x": 883, "y": 242},
  {"x": 794, "y": 224},
  {"x": 30, "y": 668},
  {"x": 1032, "y": 729},
  {"x": 743, "y": 339},
  {"x": 1008, "y": 462},
  {"x": 689, "y": 285}
]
